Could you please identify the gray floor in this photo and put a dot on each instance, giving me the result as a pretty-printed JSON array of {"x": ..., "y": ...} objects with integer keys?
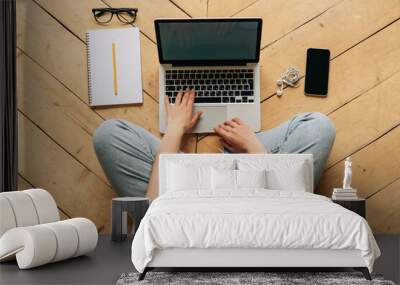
[
  {"x": 389, "y": 262},
  {"x": 110, "y": 260},
  {"x": 103, "y": 266}
]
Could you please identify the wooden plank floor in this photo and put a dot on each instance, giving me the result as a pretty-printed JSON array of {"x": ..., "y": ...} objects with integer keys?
[{"x": 56, "y": 124}]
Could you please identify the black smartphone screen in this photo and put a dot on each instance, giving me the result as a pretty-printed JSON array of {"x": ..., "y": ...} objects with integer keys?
[{"x": 317, "y": 72}]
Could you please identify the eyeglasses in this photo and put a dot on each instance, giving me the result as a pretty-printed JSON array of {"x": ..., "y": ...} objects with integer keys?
[{"x": 124, "y": 15}]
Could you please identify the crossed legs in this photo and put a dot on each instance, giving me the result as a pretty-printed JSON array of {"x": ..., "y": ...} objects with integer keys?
[{"x": 127, "y": 152}]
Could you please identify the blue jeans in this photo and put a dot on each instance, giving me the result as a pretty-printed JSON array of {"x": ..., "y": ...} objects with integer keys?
[{"x": 127, "y": 152}]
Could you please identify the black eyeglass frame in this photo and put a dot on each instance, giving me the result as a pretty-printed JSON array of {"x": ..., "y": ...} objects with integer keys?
[{"x": 117, "y": 11}]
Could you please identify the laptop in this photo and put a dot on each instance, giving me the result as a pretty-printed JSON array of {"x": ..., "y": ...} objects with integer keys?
[{"x": 219, "y": 58}]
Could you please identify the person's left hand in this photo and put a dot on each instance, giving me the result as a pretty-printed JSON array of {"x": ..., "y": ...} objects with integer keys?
[{"x": 238, "y": 137}]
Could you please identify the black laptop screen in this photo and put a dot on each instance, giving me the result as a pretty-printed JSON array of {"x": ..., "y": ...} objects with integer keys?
[{"x": 202, "y": 40}]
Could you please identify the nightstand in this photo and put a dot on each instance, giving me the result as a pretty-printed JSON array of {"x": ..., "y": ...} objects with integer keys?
[
  {"x": 357, "y": 205},
  {"x": 135, "y": 207}
]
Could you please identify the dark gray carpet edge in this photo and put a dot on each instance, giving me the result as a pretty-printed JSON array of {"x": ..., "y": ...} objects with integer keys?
[{"x": 244, "y": 278}]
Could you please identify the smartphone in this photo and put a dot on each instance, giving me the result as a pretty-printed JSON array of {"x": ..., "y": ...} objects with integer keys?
[{"x": 317, "y": 72}]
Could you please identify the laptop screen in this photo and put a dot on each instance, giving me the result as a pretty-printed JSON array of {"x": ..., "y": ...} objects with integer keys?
[{"x": 208, "y": 41}]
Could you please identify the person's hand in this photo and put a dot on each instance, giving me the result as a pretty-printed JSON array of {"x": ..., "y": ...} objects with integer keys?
[
  {"x": 238, "y": 137},
  {"x": 180, "y": 117}
]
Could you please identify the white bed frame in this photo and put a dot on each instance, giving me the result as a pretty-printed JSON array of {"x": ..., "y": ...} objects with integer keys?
[{"x": 241, "y": 258}]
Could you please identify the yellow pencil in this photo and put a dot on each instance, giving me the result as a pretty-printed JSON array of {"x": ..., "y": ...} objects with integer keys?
[{"x": 114, "y": 57}]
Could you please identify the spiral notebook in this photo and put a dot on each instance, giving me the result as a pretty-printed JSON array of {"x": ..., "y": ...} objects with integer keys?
[{"x": 114, "y": 69}]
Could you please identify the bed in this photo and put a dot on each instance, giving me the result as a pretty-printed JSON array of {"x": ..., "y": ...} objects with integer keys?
[{"x": 245, "y": 211}]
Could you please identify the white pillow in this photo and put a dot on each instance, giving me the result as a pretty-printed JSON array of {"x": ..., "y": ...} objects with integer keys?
[
  {"x": 181, "y": 177},
  {"x": 236, "y": 179},
  {"x": 251, "y": 178},
  {"x": 220, "y": 163},
  {"x": 223, "y": 179},
  {"x": 293, "y": 180},
  {"x": 188, "y": 174},
  {"x": 290, "y": 175}
]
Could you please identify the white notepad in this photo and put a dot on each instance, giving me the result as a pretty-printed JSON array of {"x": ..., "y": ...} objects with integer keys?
[{"x": 114, "y": 69}]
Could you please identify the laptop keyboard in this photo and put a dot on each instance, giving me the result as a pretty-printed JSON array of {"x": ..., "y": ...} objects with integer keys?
[{"x": 212, "y": 85}]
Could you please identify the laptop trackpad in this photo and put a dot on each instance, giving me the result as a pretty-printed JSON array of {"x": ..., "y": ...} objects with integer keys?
[{"x": 212, "y": 116}]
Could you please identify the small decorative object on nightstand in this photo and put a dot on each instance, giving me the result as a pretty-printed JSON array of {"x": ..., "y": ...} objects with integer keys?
[
  {"x": 347, "y": 173},
  {"x": 347, "y": 192},
  {"x": 136, "y": 207},
  {"x": 356, "y": 205}
]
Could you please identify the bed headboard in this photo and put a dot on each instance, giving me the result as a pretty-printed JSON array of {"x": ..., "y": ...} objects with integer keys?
[{"x": 210, "y": 159}]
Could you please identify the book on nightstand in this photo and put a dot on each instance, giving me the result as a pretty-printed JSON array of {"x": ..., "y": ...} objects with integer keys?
[{"x": 344, "y": 194}]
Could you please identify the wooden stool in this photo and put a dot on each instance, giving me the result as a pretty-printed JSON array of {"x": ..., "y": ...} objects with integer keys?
[{"x": 136, "y": 207}]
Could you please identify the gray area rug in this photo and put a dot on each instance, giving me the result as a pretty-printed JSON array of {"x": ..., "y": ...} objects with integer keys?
[{"x": 233, "y": 278}]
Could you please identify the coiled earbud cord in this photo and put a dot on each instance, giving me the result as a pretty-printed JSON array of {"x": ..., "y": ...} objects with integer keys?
[{"x": 291, "y": 77}]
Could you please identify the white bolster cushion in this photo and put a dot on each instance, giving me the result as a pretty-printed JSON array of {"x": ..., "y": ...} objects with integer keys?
[
  {"x": 87, "y": 234},
  {"x": 67, "y": 240},
  {"x": 46, "y": 207},
  {"x": 33, "y": 246},
  {"x": 23, "y": 208},
  {"x": 45, "y": 243},
  {"x": 7, "y": 218},
  {"x": 26, "y": 208}
]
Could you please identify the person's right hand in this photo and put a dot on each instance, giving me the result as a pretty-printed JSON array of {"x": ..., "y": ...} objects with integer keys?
[
  {"x": 180, "y": 117},
  {"x": 238, "y": 137}
]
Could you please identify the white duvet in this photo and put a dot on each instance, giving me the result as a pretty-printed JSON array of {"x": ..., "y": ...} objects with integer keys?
[{"x": 251, "y": 218}]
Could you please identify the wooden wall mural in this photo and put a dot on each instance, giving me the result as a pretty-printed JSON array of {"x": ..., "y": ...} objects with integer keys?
[{"x": 56, "y": 124}]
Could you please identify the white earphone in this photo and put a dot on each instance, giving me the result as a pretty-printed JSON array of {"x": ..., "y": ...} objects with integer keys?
[{"x": 291, "y": 77}]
